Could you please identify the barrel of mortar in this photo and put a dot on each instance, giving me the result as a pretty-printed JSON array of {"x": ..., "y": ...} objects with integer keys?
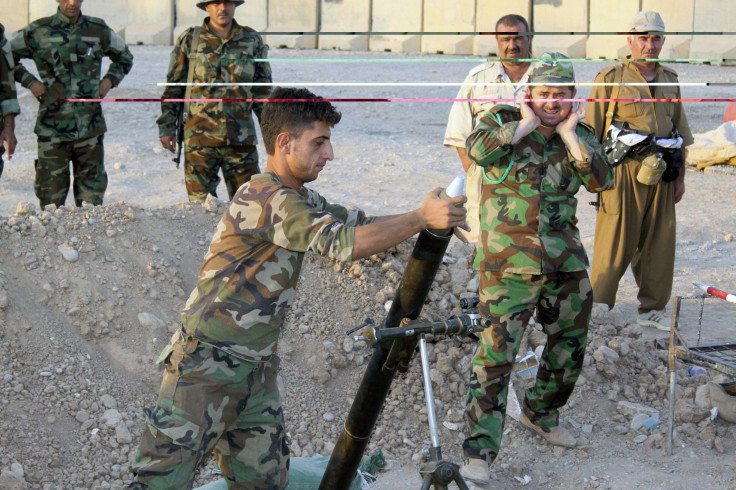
[{"x": 425, "y": 260}]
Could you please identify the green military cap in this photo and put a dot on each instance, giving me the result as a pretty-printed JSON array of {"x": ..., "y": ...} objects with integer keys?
[
  {"x": 549, "y": 70},
  {"x": 203, "y": 4}
]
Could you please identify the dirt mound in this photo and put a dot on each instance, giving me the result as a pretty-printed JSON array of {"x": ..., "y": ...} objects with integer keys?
[{"x": 89, "y": 296}]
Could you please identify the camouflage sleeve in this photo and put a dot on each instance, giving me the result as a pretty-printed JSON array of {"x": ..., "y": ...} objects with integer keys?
[
  {"x": 491, "y": 141},
  {"x": 121, "y": 57},
  {"x": 8, "y": 96},
  {"x": 301, "y": 225},
  {"x": 593, "y": 170},
  {"x": 351, "y": 217},
  {"x": 178, "y": 71},
  {"x": 262, "y": 75},
  {"x": 22, "y": 48}
]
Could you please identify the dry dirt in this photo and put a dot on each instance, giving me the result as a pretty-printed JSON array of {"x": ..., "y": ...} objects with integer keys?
[{"x": 89, "y": 296}]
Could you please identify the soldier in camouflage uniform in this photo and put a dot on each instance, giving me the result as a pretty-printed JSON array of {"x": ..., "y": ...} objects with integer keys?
[
  {"x": 219, "y": 390},
  {"x": 218, "y": 135},
  {"x": 534, "y": 159},
  {"x": 67, "y": 49},
  {"x": 8, "y": 100}
]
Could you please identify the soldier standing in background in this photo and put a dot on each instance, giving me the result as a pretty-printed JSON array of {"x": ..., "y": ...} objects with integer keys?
[
  {"x": 636, "y": 218},
  {"x": 67, "y": 49},
  {"x": 217, "y": 135},
  {"x": 497, "y": 77},
  {"x": 533, "y": 160},
  {"x": 219, "y": 390},
  {"x": 8, "y": 99}
]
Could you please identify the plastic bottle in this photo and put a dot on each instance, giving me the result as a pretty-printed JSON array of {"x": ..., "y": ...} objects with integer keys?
[
  {"x": 453, "y": 190},
  {"x": 697, "y": 371}
]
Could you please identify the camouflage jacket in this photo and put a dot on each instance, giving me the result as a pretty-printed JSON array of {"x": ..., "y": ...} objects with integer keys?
[
  {"x": 221, "y": 61},
  {"x": 249, "y": 274},
  {"x": 69, "y": 60},
  {"x": 528, "y": 222},
  {"x": 8, "y": 97}
]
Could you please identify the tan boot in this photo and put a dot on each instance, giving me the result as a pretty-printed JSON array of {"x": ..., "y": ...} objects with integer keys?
[
  {"x": 476, "y": 471},
  {"x": 557, "y": 436}
]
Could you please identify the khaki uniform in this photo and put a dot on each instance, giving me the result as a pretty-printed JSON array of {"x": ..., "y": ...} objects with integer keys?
[
  {"x": 636, "y": 222},
  {"x": 465, "y": 115}
]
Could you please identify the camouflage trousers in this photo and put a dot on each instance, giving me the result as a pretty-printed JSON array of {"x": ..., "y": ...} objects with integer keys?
[
  {"x": 238, "y": 164},
  {"x": 52, "y": 171},
  {"x": 563, "y": 301},
  {"x": 213, "y": 402}
]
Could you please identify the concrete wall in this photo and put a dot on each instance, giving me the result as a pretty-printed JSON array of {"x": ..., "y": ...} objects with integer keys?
[
  {"x": 254, "y": 14},
  {"x": 718, "y": 16},
  {"x": 487, "y": 14},
  {"x": 564, "y": 15},
  {"x": 150, "y": 22},
  {"x": 610, "y": 16},
  {"x": 448, "y": 15},
  {"x": 345, "y": 15},
  {"x": 393, "y": 16},
  {"x": 293, "y": 15},
  {"x": 160, "y": 21},
  {"x": 15, "y": 16}
]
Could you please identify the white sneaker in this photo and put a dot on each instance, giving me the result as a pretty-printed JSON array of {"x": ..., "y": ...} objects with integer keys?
[
  {"x": 476, "y": 471},
  {"x": 654, "y": 318}
]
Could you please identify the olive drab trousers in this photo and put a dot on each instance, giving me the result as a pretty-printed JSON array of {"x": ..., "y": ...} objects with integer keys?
[{"x": 635, "y": 225}]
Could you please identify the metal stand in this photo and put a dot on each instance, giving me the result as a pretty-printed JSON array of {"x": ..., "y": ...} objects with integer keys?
[
  {"x": 720, "y": 357},
  {"x": 437, "y": 473}
]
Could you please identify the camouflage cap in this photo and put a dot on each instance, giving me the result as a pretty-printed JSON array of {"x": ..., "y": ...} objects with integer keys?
[
  {"x": 202, "y": 5},
  {"x": 548, "y": 70}
]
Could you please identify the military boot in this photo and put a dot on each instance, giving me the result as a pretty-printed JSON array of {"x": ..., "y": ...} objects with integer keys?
[
  {"x": 476, "y": 471},
  {"x": 557, "y": 436}
]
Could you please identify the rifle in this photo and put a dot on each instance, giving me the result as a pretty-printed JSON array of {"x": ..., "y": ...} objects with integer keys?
[
  {"x": 181, "y": 119},
  {"x": 183, "y": 113}
]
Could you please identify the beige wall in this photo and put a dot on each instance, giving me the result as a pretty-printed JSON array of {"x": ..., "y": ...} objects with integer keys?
[
  {"x": 448, "y": 15},
  {"x": 568, "y": 15},
  {"x": 160, "y": 21},
  {"x": 393, "y": 16},
  {"x": 345, "y": 15},
  {"x": 610, "y": 16}
]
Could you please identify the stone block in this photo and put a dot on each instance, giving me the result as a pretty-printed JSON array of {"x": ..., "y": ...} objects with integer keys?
[
  {"x": 569, "y": 16},
  {"x": 150, "y": 22},
  {"x": 487, "y": 14},
  {"x": 610, "y": 17},
  {"x": 293, "y": 16},
  {"x": 253, "y": 14},
  {"x": 113, "y": 12},
  {"x": 713, "y": 15},
  {"x": 15, "y": 16},
  {"x": 444, "y": 16},
  {"x": 677, "y": 16},
  {"x": 345, "y": 15},
  {"x": 392, "y": 16}
]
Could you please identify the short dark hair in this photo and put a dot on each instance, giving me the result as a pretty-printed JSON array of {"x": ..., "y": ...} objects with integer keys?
[
  {"x": 294, "y": 117},
  {"x": 511, "y": 20}
]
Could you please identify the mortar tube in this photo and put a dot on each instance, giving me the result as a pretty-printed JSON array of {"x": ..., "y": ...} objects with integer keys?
[{"x": 425, "y": 260}]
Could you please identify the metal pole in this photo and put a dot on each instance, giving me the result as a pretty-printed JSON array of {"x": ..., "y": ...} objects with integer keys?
[{"x": 431, "y": 416}]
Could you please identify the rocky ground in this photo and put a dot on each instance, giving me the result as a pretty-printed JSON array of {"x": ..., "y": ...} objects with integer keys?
[{"x": 89, "y": 296}]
